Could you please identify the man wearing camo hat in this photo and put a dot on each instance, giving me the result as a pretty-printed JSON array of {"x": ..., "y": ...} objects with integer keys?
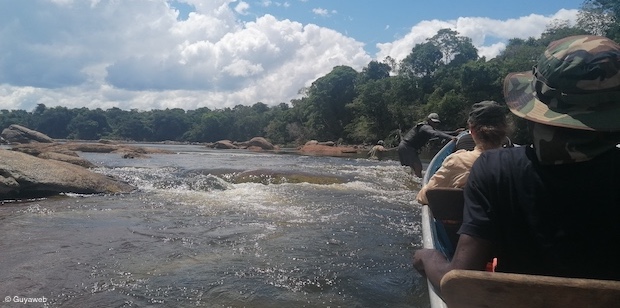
[{"x": 551, "y": 208}]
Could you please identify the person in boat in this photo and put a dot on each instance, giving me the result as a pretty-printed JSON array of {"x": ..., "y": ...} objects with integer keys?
[
  {"x": 417, "y": 137},
  {"x": 487, "y": 126},
  {"x": 552, "y": 207},
  {"x": 376, "y": 151}
]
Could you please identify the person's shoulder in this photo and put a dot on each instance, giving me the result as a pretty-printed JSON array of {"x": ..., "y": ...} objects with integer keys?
[
  {"x": 503, "y": 155},
  {"x": 461, "y": 151},
  {"x": 424, "y": 126},
  {"x": 506, "y": 153},
  {"x": 464, "y": 155}
]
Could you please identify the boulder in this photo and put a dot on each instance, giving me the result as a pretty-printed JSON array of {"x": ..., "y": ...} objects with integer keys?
[
  {"x": 131, "y": 155},
  {"x": 319, "y": 149},
  {"x": 72, "y": 159},
  {"x": 70, "y": 148},
  {"x": 259, "y": 142},
  {"x": 107, "y": 141},
  {"x": 328, "y": 143},
  {"x": 19, "y": 134},
  {"x": 224, "y": 144},
  {"x": 26, "y": 176}
]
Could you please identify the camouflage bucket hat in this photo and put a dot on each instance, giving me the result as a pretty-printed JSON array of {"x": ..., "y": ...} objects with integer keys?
[{"x": 575, "y": 84}]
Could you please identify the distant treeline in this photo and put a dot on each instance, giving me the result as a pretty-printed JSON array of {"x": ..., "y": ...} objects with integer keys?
[{"x": 443, "y": 75}]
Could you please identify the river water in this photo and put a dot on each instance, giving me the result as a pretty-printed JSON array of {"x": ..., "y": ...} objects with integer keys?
[{"x": 220, "y": 228}]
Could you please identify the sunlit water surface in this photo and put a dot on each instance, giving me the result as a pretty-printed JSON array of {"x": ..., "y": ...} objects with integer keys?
[{"x": 215, "y": 228}]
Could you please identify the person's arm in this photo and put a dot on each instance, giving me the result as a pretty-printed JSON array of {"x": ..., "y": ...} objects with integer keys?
[
  {"x": 455, "y": 132},
  {"x": 433, "y": 133},
  {"x": 471, "y": 254}
]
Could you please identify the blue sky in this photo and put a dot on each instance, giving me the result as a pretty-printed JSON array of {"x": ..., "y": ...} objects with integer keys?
[
  {"x": 158, "y": 54},
  {"x": 373, "y": 22}
]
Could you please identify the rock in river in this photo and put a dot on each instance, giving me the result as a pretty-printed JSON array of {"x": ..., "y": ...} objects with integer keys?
[{"x": 26, "y": 176}]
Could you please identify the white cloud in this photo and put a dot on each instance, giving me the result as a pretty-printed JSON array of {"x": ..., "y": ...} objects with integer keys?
[
  {"x": 320, "y": 11},
  {"x": 268, "y": 3},
  {"x": 242, "y": 8},
  {"x": 323, "y": 12},
  {"x": 138, "y": 55},
  {"x": 480, "y": 30}
]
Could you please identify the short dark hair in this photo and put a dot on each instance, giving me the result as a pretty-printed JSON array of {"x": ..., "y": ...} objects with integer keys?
[{"x": 488, "y": 119}]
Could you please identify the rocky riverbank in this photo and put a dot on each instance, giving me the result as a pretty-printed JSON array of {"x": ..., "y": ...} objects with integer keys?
[{"x": 35, "y": 165}]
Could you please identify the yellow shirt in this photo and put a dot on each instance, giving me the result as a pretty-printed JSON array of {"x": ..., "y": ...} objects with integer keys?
[
  {"x": 453, "y": 172},
  {"x": 375, "y": 150}
]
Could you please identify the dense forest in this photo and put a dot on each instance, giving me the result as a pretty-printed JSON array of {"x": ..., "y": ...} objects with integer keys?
[{"x": 443, "y": 75}]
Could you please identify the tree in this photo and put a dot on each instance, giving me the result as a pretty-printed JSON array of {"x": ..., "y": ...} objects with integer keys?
[
  {"x": 453, "y": 107},
  {"x": 375, "y": 71},
  {"x": 213, "y": 126},
  {"x": 53, "y": 122},
  {"x": 280, "y": 117},
  {"x": 89, "y": 125},
  {"x": 600, "y": 17},
  {"x": 481, "y": 80},
  {"x": 520, "y": 55},
  {"x": 423, "y": 60},
  {"x": 20, "y": 117},
  {"x": 133, "y": 127},
  {"x": 370, "y": 112},
  {"x": 169, "y": 124},
  {"x": 559, "y": 29},
  {"x": 453, "y": 46},
  {"x": 327, "y": 98},
  {"x": 40, "y": 109},
  {"x": 404, "y": 95}
]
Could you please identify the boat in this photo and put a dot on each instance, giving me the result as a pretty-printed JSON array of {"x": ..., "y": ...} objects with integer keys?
[
  {"x": 441, "y": 219},
  {"x": 430, "y": 237}
]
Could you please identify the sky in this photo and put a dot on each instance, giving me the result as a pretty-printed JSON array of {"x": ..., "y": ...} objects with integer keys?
[{"x": 189, "y": 54}]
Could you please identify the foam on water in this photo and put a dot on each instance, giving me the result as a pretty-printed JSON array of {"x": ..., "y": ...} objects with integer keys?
[{"x": 193, "y": 235}]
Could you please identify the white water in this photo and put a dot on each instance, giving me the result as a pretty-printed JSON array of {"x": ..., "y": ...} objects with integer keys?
[{"x": 195, "y": 235}]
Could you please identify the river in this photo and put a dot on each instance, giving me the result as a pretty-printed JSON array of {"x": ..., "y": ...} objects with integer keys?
[{"x": 220, "y": 228}]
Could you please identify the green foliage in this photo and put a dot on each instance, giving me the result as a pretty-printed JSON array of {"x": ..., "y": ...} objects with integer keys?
[
  {"x": 168, "y": 124},
  {"x": 88, "y": 125},
  {"x": 481, "y": 80},
  {"x": 276, "y": 131},
  {"x": 374, "y": 71},
  {"x": 54, "y": 121},
  {"x": 20, "y": 117},
  {"x": 213, "y": 126},
  {"x": 455, "y": 49},
  {"x": 600, "y": 17},
  {"x": 423, "y": 60},
  {"x": 370, "y": 112},
  {"x": 327, "y": 97},
  {"x": 443, "y": 75}
]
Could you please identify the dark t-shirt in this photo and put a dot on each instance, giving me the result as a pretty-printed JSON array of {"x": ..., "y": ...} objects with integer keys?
[
  {"x": 558, "y": 220},
  {"x": 420, "y": 134}
]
